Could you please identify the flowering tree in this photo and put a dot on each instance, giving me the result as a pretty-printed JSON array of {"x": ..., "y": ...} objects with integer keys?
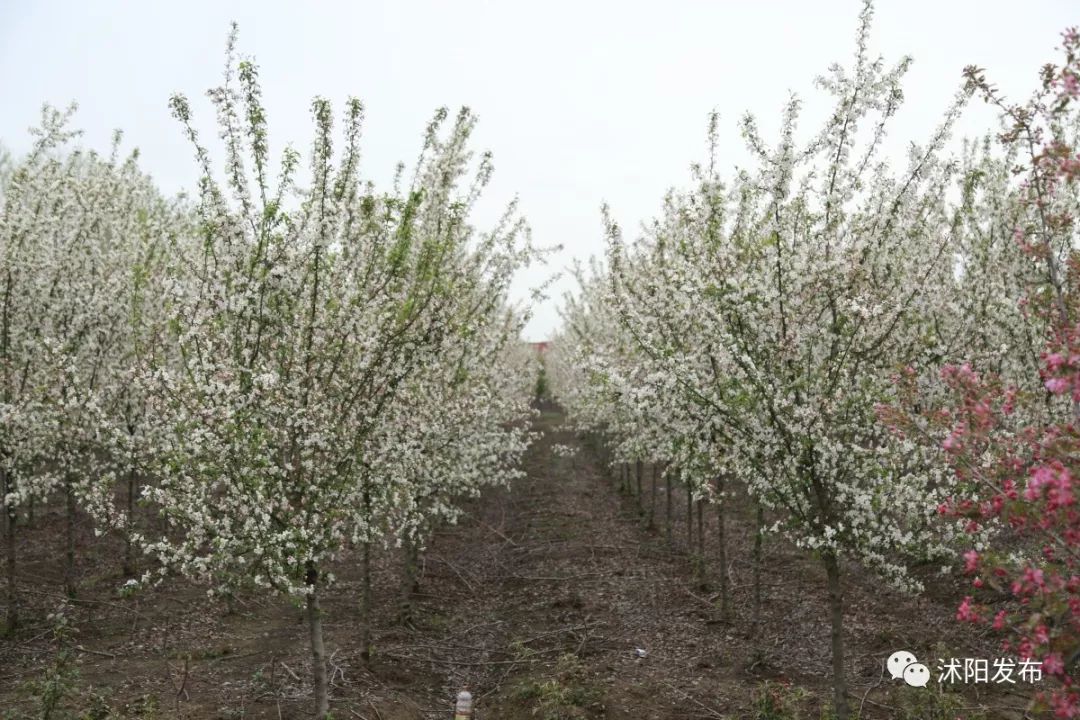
[
  {"x": 1008, "y": 430},
  {"x": 299, "y": 319},
  {"x": 456, "y": 430},
  {"x": 6, "y": 168},
  {"x": 68, "y": 219}
]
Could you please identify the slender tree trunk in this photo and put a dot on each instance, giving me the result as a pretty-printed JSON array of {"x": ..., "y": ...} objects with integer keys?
[
  {"x": 721, "y": 554},
  {"x": 408, "y": 580},
  {"x": 318, "y": 650},
  {"x": 30, "y": 513},
  {"x": 669, "y": 520},
  {"x": 639, "y": 471},
  {"x": 366, "y": 604},
  {"x": 129, "y": 555},
  {"x": 689, "y": 520},
  {"x": 10, "y": 517},
  {"x": 836, "y": 616},
  {"x": 69, "y": 538},
  {"x": 759, "y": 536},
  {"x": 700, "y": 561},
  {"x": 414, "y": 557},
  {"x": 652, "y": 500}
]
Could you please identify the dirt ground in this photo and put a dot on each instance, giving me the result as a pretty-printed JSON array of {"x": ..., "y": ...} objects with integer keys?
[{"x": 538, "y": 601}]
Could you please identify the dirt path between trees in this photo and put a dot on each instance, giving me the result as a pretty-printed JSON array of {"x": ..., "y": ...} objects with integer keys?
[{"x": 549, "y": 600}]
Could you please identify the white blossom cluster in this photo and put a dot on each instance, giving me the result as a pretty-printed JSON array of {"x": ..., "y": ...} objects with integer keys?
[
  {"x": 80, "y": 237},
  {"x": 339, "y": 362}
]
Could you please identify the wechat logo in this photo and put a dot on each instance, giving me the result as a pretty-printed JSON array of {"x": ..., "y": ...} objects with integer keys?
[{"x": 902, "y": 664}]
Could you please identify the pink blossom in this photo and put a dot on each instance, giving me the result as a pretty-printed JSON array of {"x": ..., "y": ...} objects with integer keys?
[
  {"x": 1070, "y": 86},
  {"x": 1066, "y": 705},
  {"x": 1057, "y": 385},
  {"x": 1053, "y": 664},
  {"x": 952, "y": 443},
  {"x": 1034, "y": 576},
  {"x": 965, "y": 613}
]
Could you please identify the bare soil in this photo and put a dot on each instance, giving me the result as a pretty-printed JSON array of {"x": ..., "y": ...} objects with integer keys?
[{"x": 551, "y": 599}]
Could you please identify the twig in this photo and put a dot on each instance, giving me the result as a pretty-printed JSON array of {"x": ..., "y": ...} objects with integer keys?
[
  {"x": 182, "y": 690},
  {"x": 85, "y": 601},
  {"x": 559, "y": 631},
  {"x": 95, "y": 652},
  {"x": 704, "y": 601},
  {"x": 336, "y": 670},
  {"x": 877, "y": 684},
  {"x": 580, "y": 576},
  {"x": 686, "y": 696},
  {"x": 28, "y": 643},
  {"x": 876, "y": 704},
  {"x": 290, "y": 671},
  {"x": 457, "y": 572},
  {"x": 494, "y": 530},
  {"x": 273, "y": 685},
  {"x": 472, "y": 663},
  {"x": 235, "y": 657}
]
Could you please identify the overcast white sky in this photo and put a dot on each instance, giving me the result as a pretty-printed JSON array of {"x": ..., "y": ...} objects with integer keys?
[{"x": 582, "y": 102}]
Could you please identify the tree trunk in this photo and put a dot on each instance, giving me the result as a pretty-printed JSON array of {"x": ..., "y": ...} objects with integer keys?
[
  {"x": 638, "y": 469},
  {"x": 668, "y": 519},
  {"x": 414, "y": 557},
  {"x": 69, "y": 538},
  {"x": 230, "y": 603},
  {"x": 689, "y": 520},
  {"x": 652, "y": 500},
  {"x": 318, "y": 650},
  {"x": 10, "y": 517},
  {"x": 759, "y": 534},
  {"x": 700, "y": 561},
  {"x": 366, "y": 604},
  {"x": 721, "y": 554},
  {"x": 408, "y": 581},
  {"x": 836, "y": 616},
  {"x": 129, "y": 555}
]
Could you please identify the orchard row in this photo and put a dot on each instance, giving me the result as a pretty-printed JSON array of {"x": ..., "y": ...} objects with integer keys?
[{"x": 881, "y": 359}]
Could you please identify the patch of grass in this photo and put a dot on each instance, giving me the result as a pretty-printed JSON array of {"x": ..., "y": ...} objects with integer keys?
[
  {"x": 57, "y": 693},
  {"x": 778, "y": 701},
  {"x": 933, "y": 702},
  {"x": 432, "y": 621},
  {"x": 566, "y": 695}
]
